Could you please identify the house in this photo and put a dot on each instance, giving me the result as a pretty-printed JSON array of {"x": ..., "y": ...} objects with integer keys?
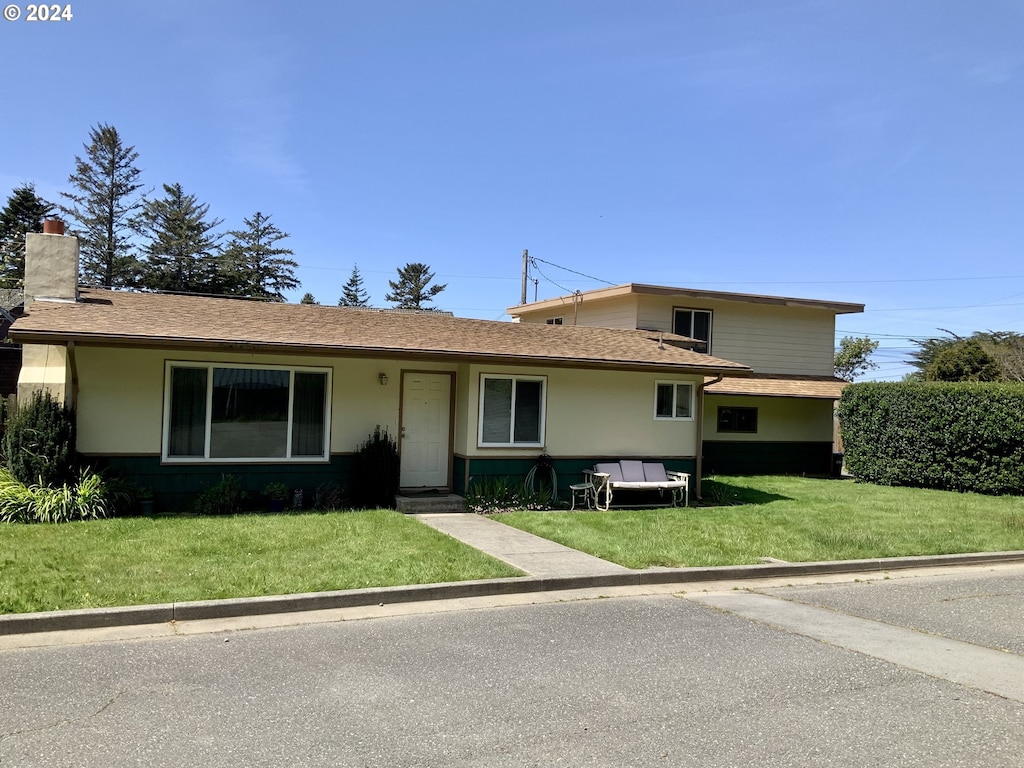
[
  {"x": 175, "y": 391},
  {"x": 778, "y": 420}
]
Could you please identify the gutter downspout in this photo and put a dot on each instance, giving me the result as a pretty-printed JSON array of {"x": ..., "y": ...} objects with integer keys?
[
  {"x": 700, "y": 428},
  {"x": 73, "y": 365}
]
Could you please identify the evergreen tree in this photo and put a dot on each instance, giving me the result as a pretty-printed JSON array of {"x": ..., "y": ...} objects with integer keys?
[
  {"x": 309, "y": 298},
  {"x": 103, "y": 207},
  {"x": 1004, "y": 348},
  {"x": 963, "y": 361},
  {"x": 352, "y": 294},
  {"x": 412, "y": 290},
  {"x": 182, "y": 252},
  {"x": 24, "y": 213},
  {"x": 255, "y": 266}
]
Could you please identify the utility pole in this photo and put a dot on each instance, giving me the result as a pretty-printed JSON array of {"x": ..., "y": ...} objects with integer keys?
[{"x": 526, "y": 270}]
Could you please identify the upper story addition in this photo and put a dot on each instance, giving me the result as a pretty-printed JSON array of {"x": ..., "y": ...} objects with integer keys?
[{"x": 770, "y": 334}]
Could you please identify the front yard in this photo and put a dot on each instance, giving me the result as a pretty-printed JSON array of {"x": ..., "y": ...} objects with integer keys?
[
  {"x": 131, "y": 561},
  {"x": 789, "y": 518},
  {"x": 134, "y": 561}
]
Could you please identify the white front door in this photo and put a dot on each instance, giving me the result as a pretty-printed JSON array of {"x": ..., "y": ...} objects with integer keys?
[{"x": 426, "y": 409}]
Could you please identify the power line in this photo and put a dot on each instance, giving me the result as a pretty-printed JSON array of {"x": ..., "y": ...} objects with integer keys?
[{"x": 581, "y": 274}]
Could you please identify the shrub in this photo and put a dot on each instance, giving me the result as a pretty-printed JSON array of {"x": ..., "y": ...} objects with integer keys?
[
  {"x": 89, "y": 497},
  {"x": 275, "y": 491},
  {"x": 328, "y": 496},
  {"x": 39, "y": 444},
  {"x": 224, "y": 498},
  {"x": 375, "y": 470},
  {"x": 960, "y": 437}
]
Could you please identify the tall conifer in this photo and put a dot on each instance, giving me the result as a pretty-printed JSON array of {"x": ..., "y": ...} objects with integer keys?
[{"x": 103, "y": 205}]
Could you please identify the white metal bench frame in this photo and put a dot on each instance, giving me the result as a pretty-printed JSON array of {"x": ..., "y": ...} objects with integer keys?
[{"x": 624, "y": 475}]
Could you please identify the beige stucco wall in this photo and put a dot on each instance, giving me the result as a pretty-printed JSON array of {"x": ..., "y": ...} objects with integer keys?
[
  {"x": 121, "y": 396},
  {"x": 121, "y": 401},
  {"x": 590, "y": 413},
  {"x": 779, "y": 419},
  {"x": 44, "y": 366}
]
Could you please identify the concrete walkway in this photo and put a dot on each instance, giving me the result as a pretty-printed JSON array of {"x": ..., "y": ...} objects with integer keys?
[{"x": 531, "y": 554}]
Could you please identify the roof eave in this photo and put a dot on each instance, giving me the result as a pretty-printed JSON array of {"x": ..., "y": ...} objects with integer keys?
[
  {"x": 839, "y": 307},
  {"x": 437, "y": 355}
]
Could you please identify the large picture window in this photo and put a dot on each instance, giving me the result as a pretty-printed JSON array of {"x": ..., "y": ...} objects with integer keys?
[
  {"x": 511, "y": 411},
  {"x": 673, "y": 400},
  {"x": 245, "y": 413},
  {"x": 695, "y": 323}
]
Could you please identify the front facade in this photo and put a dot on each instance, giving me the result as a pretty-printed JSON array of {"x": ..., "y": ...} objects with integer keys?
[
  {"x": 778, "y": 420},
  {"x": 177, "y": 391}
]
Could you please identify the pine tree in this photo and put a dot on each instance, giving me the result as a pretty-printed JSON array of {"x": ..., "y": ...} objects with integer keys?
[
  {"x": 182, "y": 252},
  {"x": 256, "y": 268},
  {"x": 103, "y": 207},
  {"x": 412, "y": 290},
  {"x": 352, "y": 294},
  {"x": 24, "y": 213},
  {"x": 308, "y": 298}
]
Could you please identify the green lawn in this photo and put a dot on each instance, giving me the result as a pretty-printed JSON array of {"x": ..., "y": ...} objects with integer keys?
[
  {"x": 789, "y": 518},
  {"x": 130, "y": 561}
]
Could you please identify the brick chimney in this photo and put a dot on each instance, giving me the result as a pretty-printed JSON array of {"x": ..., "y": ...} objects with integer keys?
[{"x": 51, "y": 265}]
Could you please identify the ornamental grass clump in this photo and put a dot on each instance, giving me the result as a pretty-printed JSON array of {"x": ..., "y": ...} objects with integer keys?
[
  {"x": 494, "y": 494},
  {"x": 89, "y": 497}
]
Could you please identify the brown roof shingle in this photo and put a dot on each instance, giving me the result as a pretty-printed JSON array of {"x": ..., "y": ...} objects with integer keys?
[
  {"x": 171, "y": 321},
  {"x": 780, "y": 385}
]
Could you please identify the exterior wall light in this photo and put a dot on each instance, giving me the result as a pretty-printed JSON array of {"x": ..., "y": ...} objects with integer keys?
[{"x": 383, "y": 377}]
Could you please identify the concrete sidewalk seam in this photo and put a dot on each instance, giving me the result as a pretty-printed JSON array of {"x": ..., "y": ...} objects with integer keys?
[{"x": 93, "y": 618}]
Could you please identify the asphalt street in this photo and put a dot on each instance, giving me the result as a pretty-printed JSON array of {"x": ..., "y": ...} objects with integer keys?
[{"x": 880, "y": 672}]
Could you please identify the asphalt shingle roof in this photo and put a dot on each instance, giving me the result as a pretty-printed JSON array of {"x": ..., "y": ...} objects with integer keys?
[
  {"x": 780, "y": 385},
  {"x": 121, "y": 318}
]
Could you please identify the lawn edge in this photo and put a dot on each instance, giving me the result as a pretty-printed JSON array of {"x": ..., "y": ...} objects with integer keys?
[{"x": 93, "y": 618}]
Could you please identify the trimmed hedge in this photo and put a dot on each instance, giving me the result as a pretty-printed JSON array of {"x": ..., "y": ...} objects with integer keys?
[{"x": 958, "y": 437}]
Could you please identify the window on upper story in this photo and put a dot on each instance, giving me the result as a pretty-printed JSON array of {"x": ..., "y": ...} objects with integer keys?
[
  {"x": 695, "y": 323},
  {"x": 673, "y": 400},
  {"x": 511, "y": 411},
  {"x": 737, "y": 419},
  {"x": 554, "y": 321},
  {"x": 245, "y": 413}
]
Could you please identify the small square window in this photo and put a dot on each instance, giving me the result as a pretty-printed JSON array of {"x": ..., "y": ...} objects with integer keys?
[
  {"x": 554, "y": 321},
  {"x": 737, "y": 419},
  {"x": 511, "y": 411},
  {"x": 673, "y": 400}
]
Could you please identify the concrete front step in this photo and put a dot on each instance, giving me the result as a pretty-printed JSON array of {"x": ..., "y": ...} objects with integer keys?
[{"x": 429, "y": 504}]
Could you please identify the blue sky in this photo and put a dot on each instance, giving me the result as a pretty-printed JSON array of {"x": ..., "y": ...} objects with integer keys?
[{"x": 864, "y": 151}]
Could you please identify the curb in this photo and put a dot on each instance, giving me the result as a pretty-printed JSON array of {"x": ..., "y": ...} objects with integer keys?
[{"x": 94, "y": 618}]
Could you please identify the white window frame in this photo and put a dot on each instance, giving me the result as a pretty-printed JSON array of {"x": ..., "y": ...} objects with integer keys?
[
  {"x": 170, "y": 365},
  {"x": 555, "y": 321},
  {"x": 514, "y": 378},
  {"x": 675, "y": 384},
  {"x": 711, "y": 323}
]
